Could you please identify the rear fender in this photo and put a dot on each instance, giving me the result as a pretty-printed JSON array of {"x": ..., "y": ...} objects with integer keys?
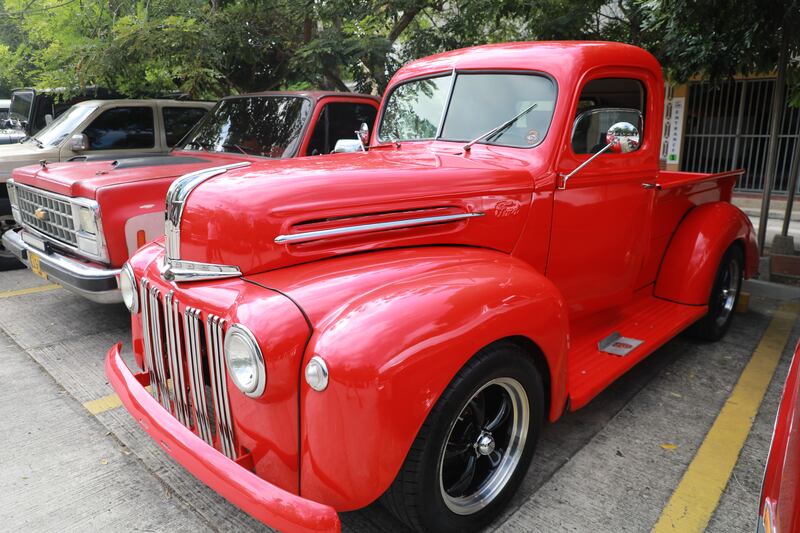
[
  {"x": 687, "y": 272},
  {"x": 394, "y": 343}
]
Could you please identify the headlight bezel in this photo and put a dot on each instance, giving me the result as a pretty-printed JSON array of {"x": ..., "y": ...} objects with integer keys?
[
  {"x": 241, "y": 332},
  {"x": 126, "y": 273}
]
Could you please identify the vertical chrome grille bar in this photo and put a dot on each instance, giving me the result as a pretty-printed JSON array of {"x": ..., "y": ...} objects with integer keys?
[
  {"x": 219, "y": 387},
  {"x": 158, "y": 353},
  {"x": 191, "y": 321},
  {"x": 175, "y": 358},
  {"x": 148, "y": 349}
]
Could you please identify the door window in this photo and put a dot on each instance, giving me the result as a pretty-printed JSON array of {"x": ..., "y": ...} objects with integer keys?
[
  {"x": 339, "y": 120},
  {"x": 122, "y": 128},
  {"x": 179, "y": 120},
  {"x": 605, "y": 102}
]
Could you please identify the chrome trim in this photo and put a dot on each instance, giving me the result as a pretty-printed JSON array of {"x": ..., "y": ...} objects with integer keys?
[
  {"x": 176, "y": 201},
  {"x": 75, "y": 205},
  {"x": 146, "y": 339},
  {"x": 367, "y": 228},
  {"x": 325, "y": 374},
  {"x": 158, "y": 348},
  {"x": 180, "y": 401},
  {"x": 191, "y": 322},
  {"x": 239, "y": 329},
  {"x": 219, "y": 387},
  {"x": 179, "y": 270},
  {"x": 96, "y": 284},
  {"x": 127, "y": 271}
]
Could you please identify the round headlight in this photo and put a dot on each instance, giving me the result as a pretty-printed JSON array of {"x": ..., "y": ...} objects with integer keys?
[
  {"x": 127, "y": 286},
  {"x": 317, "y": 374},
  {"x": 244, "y": 360}
]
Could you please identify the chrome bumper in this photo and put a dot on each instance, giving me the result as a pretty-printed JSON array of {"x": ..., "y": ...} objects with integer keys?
[{"x": 96, "y": 284}]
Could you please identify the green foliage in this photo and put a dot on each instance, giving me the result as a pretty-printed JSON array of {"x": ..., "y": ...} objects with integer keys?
[{"x": 211, "y": 48}]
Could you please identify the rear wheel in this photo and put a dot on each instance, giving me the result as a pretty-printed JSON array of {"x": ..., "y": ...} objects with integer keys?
[
  {"x": 723, "y": 299},
  {"x": 475, "y": 446},
  {"x": 7, "y": 260}
]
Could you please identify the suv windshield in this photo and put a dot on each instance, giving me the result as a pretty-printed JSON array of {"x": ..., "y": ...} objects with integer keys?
[
  {"x": 479, "y": 102},
  {"x": 20, "y": 109},
  {"x": 266, "y": 126},
  {"x": 64, "y": 125}
]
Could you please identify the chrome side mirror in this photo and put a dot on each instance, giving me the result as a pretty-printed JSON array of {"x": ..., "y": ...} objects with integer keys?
[
  {"x": 363, "y": 135},
  {"x": 622, "y": 137},
  {"x": 348, "y": 145},
  {"x": 79, "y": 142}
]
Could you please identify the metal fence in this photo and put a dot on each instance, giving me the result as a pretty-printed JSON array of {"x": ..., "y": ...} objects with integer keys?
[{"x": 727, "y": 127}]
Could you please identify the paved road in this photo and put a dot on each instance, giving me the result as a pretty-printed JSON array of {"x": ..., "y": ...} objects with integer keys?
[{"x": 611, "y": 466}]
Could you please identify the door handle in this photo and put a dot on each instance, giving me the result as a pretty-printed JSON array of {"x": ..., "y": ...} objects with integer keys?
[{"x": 655, "y": 186}]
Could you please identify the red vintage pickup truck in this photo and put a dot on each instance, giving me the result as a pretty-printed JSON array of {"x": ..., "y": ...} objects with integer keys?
[
  {"x": 398, "y": 324},
  {"x": 80, "y": 221}
]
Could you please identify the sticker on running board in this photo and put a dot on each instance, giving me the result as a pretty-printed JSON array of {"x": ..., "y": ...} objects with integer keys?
[{"x": 616, "y": 344}]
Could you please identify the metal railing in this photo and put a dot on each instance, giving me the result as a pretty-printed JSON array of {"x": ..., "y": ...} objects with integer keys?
[{"x": 727, "y": 127}]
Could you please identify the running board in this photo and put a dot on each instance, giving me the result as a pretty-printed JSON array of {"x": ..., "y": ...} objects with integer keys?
[{"x": 616, "y": 344}]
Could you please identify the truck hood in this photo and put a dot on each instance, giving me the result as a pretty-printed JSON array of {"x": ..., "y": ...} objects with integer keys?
[
  {"x": 84, "y": 179},
  {"x": 21, "y": 154},
  {"x": 236, "y": 218}
]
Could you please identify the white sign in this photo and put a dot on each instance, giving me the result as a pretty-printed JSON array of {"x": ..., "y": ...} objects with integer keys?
[{"x": 672, "y": 128}]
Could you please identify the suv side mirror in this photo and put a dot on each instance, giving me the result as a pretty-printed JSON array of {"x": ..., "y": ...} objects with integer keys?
[
  {"x": 79, "y": 142},
  {"x": 348, "y": 145},
  {"x": 363, "y": 135}
]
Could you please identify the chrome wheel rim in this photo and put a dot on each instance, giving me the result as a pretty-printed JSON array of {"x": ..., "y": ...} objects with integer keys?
[
  {"x": 484, "y": 445},
  {"x": 729, "y": 288}
]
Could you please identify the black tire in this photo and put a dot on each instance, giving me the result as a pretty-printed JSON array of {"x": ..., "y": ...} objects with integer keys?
[
  {"x": 721, "y": 304},
  {"x": 418, "y": 495},
  {"x": 8, "y": 261}
]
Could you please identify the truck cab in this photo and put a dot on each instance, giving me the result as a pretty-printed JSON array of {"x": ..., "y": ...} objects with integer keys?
[
  {"x": 99, "y": 211},
  {"x": 399, "y": 324}
]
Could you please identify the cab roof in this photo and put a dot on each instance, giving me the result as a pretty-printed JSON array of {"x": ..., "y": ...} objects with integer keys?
[
  {"x": 313, "y": 95},
  {"x": 557, "y": 58}
]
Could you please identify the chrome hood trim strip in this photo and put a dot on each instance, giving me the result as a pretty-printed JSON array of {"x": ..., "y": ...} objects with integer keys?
[{"x": 369, "y": 228}]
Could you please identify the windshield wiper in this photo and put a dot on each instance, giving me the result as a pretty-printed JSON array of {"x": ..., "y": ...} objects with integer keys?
[
  {"x": 498, "y": 129},
  {"x": 249, "y": 151},
  {"x": 34, "y": 139}
]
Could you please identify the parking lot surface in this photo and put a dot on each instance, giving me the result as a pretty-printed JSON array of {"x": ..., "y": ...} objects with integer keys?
[{"x": 74, "y": 460}]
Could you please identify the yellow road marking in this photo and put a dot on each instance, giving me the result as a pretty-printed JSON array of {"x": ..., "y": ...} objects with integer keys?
[
  {"x": 29, "y": 290},
  {"x": 106, "y": 403},
  {"x": 698, "y": 494}
]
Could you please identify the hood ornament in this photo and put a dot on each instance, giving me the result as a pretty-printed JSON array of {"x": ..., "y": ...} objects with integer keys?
[
  {"x": 43, "y": 163},
  {"x": 173, "y": 268}
]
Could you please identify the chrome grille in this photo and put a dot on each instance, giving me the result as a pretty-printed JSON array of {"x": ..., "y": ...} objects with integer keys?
[
  {"x": 57, "y": 219},
  {"x": 174, "y": 346}
]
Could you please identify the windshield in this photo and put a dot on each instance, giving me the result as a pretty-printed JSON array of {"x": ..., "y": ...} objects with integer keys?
[
  {"x": 20, "y": 109},
  {"x": 479, "y": 103},
  {"x": 267, "y": 126},
  {"x": 64, "y": 125}
]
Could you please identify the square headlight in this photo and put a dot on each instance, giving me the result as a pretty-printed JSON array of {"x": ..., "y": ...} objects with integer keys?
[{"x": 87, "y": 220}]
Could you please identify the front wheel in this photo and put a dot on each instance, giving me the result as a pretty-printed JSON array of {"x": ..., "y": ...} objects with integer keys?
[
  {"x": 723, "y": 298},
  {"x": 474, "y": 448}
]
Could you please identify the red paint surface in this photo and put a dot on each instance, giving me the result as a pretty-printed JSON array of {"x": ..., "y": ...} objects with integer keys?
[
  {"x": 780, "y": 491},
  {"x": 396, "y": 314},
  {"x": 125, "y": 193}
]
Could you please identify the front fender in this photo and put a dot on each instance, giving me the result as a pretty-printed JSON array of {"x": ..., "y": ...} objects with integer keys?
[
  {"x": 687, "y": 272},
  {"x": 394, "y": 327}
]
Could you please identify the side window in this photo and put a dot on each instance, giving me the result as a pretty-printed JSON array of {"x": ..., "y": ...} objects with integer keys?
[
  {"x": 603, "y": 103},
  {"x": 179, "y": 120},
  {"x": 339, "y": 120},
  {"x": 122, "y": 128}
]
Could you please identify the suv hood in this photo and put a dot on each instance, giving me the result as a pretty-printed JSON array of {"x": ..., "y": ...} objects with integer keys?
[
  {"x": 84, "y": 179},
  {"x": 21, "y": 154},
  {"x": 235, "y": 218}
]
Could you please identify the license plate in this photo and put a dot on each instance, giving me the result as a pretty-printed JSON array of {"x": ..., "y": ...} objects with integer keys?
[{"x": 36, "y": 265}]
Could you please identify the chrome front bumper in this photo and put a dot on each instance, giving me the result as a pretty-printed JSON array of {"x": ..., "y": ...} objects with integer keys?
[{"x": 96, "y": 284}]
